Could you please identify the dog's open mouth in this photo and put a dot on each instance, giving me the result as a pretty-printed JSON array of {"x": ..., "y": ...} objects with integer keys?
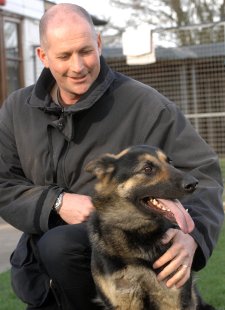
[
  {"x": 160, "y": 208},
  {"x": 173, "y": 211}
]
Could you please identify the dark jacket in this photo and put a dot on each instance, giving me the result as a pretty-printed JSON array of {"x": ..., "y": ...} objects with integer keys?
[{"x": 44, "y": 149}]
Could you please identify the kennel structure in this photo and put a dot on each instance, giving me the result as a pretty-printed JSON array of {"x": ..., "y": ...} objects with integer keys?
[{"x": 191, "y": 73}]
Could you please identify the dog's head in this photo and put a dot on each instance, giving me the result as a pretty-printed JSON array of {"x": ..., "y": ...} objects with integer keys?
[{"x": 144, "y": 176}]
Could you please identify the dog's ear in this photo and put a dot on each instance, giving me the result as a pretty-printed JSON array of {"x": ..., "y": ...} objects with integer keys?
[{"x": 102, "y": 167}]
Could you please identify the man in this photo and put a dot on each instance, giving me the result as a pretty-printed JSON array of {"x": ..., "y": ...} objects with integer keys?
[{"x": 78, "y": 109}]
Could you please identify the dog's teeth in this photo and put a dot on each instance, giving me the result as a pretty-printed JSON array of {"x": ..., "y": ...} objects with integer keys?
[
  {"x": 157, "y": 204},
  {"x": 154, "y": 201},
  {"x": 186, "y": 210}
]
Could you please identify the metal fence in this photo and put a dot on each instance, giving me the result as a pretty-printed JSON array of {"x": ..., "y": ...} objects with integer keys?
[{"x": 191, "y": 72}]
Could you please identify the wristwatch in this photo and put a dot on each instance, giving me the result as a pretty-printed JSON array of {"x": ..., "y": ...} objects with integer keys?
[{"x": 58, "y": 203}]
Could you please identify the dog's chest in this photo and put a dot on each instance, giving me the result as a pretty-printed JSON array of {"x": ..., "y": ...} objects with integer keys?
[{"x": 136, "y": 288}]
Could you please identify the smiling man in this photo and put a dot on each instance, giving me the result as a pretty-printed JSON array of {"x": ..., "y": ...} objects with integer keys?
[
  {"x": 75, "y": 62},
  {"x": 79, "y": 109}
]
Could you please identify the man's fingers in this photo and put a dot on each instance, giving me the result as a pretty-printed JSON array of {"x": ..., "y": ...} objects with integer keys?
[
  {"x": 177, "y": 260},
  {"x": 173, "y": 267},
  {"x": 174, "y": 274},
  {"x": 164, "y": 259},
  {"x": 76, "y": 208},
  {"x": 180, "y": 276},
  {"x": 169, "y": 235}
]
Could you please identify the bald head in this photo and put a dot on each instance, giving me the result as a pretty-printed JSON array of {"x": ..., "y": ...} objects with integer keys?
[{"x": 58, "y": 15}]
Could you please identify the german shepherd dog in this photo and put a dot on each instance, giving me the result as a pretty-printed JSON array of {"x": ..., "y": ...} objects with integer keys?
[{"x": 131, "y": 198}]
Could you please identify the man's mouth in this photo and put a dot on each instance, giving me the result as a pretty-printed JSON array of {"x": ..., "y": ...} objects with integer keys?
[{"x": 78, "y": 78}]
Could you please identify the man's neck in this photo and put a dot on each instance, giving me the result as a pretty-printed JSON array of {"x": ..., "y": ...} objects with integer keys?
[{"x": 57, "y": 98}]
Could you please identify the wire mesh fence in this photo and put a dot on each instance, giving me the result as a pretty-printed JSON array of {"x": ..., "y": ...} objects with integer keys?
[{"x": 190, "y": 72}]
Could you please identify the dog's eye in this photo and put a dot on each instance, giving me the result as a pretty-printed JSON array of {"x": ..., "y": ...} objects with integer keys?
[{"x": 148, "y": 169}]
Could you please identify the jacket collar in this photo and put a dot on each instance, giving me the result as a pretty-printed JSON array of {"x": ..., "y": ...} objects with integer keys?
[{"x": 40, "y": 96}]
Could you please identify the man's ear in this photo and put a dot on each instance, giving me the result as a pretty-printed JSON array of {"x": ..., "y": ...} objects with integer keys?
[
  {"x": 101, "y": 167},
  {"x": 42, "y": 56},
  {"x": 99, "y": 41}
]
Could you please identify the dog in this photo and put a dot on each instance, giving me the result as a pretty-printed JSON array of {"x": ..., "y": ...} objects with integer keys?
[{"x": 126, "y": 229}]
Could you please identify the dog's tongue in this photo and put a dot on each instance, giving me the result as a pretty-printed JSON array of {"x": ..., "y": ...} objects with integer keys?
[{"x": 181, "y": 216}]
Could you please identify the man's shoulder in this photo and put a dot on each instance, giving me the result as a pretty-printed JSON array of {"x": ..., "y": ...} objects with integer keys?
[
  {"x": 15, "y": 103},
  {"x": 139, "y": 92},
  {"x": 19, "y": 95}
]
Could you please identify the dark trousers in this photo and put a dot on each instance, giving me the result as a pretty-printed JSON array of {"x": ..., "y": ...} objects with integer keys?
[{"x": 65, "y": 254}]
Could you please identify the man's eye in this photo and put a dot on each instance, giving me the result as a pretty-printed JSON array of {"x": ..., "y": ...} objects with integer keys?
[
  {"x": 62, "y": 57},
  {"x": 84, "y": 52}
]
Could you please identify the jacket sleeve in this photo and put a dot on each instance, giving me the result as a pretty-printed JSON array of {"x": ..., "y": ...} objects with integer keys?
[
  {"x": 24, "y": 205},
  {"x": 189, "y": 152}
]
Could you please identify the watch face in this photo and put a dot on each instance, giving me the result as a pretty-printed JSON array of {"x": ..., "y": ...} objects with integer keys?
[{"x": 58, "y": 203}]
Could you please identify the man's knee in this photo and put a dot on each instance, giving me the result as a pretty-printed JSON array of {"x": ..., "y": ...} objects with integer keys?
[{"x": 60, "y": 244}]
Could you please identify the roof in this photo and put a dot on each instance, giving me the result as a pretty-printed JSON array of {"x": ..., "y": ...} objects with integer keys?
[{"x": 176, "y": 53}]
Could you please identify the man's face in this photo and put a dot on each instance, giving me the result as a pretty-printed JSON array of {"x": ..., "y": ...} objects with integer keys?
[{"x": 72, "y": 53}]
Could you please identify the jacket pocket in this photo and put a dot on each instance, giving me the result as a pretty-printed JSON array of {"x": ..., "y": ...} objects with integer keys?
[{"x": 29, "y": 281}]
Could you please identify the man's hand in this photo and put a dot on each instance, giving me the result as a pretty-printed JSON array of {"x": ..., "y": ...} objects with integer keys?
[
  {"x": 178, "y": 258},
  {"x": 75, "y": 208}
]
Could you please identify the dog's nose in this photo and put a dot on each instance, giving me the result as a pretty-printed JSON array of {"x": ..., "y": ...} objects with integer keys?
[{"x": 190, "y": 184}]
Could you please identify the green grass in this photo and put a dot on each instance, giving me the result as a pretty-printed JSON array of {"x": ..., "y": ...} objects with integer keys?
[
  {"x": 222, "y": 166},
  {"x": 211, "y": 282},
  {"x": 8, "y": 300}
]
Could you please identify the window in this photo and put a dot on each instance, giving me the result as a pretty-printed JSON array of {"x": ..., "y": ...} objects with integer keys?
[{"x": 11, "y": 71}]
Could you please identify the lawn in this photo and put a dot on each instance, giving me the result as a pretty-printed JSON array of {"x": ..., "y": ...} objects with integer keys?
[
  {"x": 211, "y": 282},
  {"x": 8, "y": 300},
  {"x": 222, "y": 165}
]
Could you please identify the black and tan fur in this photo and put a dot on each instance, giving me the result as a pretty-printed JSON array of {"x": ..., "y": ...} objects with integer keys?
[{"x": 126, "y": 233}]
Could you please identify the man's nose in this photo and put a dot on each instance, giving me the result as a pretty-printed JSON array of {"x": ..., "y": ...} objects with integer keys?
[{"x": 76, "y": 63}]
